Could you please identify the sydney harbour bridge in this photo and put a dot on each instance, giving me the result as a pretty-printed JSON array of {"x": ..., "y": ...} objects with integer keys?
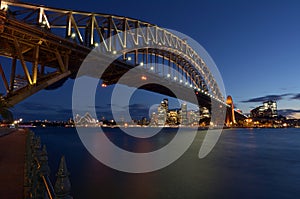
[{"x": 46, "y": 46}]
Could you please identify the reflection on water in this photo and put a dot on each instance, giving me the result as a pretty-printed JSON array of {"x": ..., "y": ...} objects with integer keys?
[{"x": 246, "y": 163}]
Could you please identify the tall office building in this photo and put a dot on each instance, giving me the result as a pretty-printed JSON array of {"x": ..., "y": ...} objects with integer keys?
[
  {"x": 184, "y": 119},
  {"x": 161, "y": 115},
  {"x": 165, "y": 104},
  {"x": 268, "y": 109}
]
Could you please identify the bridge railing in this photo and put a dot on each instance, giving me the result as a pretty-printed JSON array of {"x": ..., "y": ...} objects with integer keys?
[{"x": 37, "y": 183}]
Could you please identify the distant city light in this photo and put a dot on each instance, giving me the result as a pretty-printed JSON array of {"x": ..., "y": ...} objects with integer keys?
[{"x": 103, "y": 85}]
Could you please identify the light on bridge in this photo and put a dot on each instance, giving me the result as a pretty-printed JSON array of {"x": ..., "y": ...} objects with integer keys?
[
  {"x": 181, "y": 81},
  {"x": 4, "y": 7},
  {"x": 73, "y": 35},
  {"x": 175, "y": 78},
  {"x": 191, "y": 85},
  {"x": 142, "y": 64},
  {"x": 168, "y": 75},
  {"x": 129, "y": 58},
  {"x": 143, "y": 77},
  {"x": 151, "y": 68},
  {"x": 103, "y": 85},
  {"x": 96, "y": 44},
  {"x": 114, "y": 52}
]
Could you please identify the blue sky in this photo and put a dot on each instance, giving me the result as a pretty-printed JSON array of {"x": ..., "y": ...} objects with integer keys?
[{"x": 255, "y": 44}]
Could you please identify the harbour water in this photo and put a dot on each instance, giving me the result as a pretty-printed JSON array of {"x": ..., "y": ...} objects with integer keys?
[{"x": 245, "y": 163}]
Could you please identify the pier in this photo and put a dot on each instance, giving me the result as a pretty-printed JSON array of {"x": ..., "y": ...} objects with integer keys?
[
  {"x": 24, "y": 169},
  {"x": 12, "y": 157}
]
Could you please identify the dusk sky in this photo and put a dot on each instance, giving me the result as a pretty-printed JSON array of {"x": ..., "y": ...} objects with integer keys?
[{"x": 255, "y": 45}]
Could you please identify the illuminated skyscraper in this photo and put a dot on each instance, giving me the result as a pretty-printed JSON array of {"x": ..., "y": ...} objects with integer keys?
[
  {"x": 184, "y": 119},
  {"x": 165, "y": 104},
  {"x": 268, "y": 109},
  {"x": 161, "y": 115}
]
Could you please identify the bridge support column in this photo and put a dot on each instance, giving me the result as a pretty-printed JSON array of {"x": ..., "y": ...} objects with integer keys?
[
  {"x": 2, "y": 16},
  {"x": 4, "y": 78},
  {"x": 230, "y": 115}
]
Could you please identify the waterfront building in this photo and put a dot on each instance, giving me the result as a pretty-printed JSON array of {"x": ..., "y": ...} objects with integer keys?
[
  {"x": 161, "y": 116},
  {"x": 87, "y": 119},
  {"x": 165, "y": 104},
  {"x": 204, "y": 112},
  {"x": 194, "y": 117},
  {"x": 153, "y": 120},
  {"x": 173, "y": 117},
  {"x": 183, "y": 118},
  {"x": 267, "y": 110}
]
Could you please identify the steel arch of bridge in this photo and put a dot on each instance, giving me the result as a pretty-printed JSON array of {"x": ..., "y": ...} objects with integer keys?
[{"x": 59, "y": 39}]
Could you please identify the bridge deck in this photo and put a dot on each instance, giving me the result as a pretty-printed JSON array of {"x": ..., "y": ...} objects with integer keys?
[{"x": 12, "y": 157}]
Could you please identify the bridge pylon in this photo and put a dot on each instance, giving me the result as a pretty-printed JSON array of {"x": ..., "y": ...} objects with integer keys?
[{"x": 230, "y": 115}]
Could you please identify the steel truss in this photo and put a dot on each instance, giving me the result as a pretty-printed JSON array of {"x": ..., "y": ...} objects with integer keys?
[{"x": 60, "y": 39}]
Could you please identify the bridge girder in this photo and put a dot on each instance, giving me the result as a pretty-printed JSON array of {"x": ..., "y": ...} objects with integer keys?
[{"x": 61, "y": 39}]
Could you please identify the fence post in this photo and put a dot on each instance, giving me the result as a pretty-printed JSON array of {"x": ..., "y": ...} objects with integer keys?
[{"x": 62, "y": 186}]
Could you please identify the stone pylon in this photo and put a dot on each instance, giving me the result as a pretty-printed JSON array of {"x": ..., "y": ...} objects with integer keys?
[{"x": 62, "y": 186}]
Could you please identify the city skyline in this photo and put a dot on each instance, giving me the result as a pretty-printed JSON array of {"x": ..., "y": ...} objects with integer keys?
[{"x": 254, "y": 44}]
